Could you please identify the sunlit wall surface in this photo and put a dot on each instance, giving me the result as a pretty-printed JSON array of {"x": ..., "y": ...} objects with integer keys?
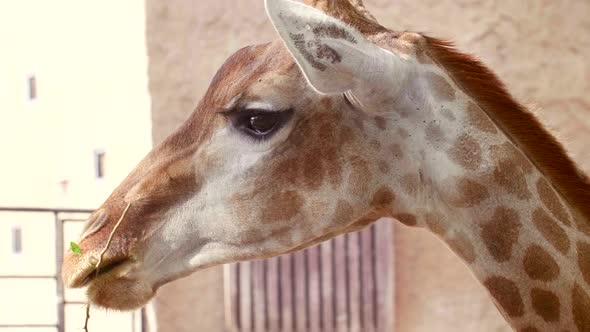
[{"x": 74, "y": 120}]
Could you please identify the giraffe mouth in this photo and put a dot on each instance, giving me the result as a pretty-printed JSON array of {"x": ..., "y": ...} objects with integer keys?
[{"x": 89, "y": 274}]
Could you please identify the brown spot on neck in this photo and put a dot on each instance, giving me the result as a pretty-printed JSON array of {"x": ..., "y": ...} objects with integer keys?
[
  {"x": 359, "y": 119},
  {"x": 501, "y": 233},
  {"x": 383, "y": 198},
  {"x": 384, "y": 167},
  {"x": 360, "y": 176},
  {"x": 396, "y": 151},
  {"x": 552, "y": 202},
  {"x": 508, "y": 151},
  {"x": 448, "y": 114},
  {"x": 463, "y": 247},
  {"x": 381, "y": 122},
  {"x": 584, "y": 260},
  {"x": 313, "y": 169},
  {"x": 346, "y": 136},
  {"x": 469, "y": 193},
  {"x": 406, "y": 218},
  {"x": 479, "y": 119},
  {"x": 545, "y": 304},
  {"x": 343, "y": 213},
  {"x": 410, "y": 183},
  {"x": 506, "y": 294},
  {"x": 332, "y": 166},
  {"x": 435, "y": 223},
  {"x": 581, "y": 308},
  {"x": 539, "y": 265},
  {"x": 508, "y": 176},
  {"x": 551, "y": 231},
  {"x": 375, "y": 144},
  {"x": 466, "y": 152},
  {"x": 304, "y": 164},
  {"x": 381, "y": 204},
  {"x": 434, "y": 134},
  {"x": 442, "y": 89},
  {"x": 282, "y": 206},
  {"x": 403, "y": 133}
]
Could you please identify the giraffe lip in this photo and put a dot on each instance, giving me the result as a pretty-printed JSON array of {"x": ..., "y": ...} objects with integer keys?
[{"x": 89, "y": 274}]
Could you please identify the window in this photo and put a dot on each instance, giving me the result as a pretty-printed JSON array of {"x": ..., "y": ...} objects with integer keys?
[
  {"x": 17, "y": 241},
  {"x": 99, "y": 164},
  {"x": 32, "y": 83}
]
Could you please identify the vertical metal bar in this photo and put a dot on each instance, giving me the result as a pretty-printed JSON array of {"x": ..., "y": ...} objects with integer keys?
[
  {"x": 368, "y": 286},
  {"x": 143, "y": 320},
  {"x": 274, "y": 294},
  {"x": 246, "y": 308},
  {"x": 259, "y": 307},
  {"x": 299, "y": 283},
  {"x": 232, "y": 296},
  {"x": 314, "y": 288},
  {"x": 385, "y": 275},
  {"x": 287, "y": 293},
  {"x": 59, "y": 286},
  {"x": 354, "y": 281},
  {"x": 340, "y": 289},
  {"x": 328, "y": 297}
]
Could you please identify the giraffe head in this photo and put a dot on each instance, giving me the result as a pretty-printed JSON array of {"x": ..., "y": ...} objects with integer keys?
[{"x": 283, "y": 151}]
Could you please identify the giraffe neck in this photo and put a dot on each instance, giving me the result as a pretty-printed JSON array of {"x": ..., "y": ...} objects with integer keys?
[{"x": 471, "y": 186}]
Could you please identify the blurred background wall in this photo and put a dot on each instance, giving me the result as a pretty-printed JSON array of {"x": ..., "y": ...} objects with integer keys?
[
  {"x": 73, "y": 99},
  {"x": 538, "y": 47}
]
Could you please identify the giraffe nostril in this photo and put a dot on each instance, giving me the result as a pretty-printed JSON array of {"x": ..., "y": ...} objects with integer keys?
[{"x": 96, "y": 222}]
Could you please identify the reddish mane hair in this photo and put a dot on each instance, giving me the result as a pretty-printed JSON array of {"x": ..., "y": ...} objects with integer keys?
[{"x": 520, "y": 125}]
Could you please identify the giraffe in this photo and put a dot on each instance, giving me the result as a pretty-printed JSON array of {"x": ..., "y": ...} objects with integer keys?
[{"x": 338, "y": 123}]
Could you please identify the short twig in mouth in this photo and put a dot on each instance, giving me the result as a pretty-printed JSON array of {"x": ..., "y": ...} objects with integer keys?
[{"x": 106, "y": 247}]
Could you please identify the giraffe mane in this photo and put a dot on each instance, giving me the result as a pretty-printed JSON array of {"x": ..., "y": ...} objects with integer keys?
[{"x": 516, "y": 121}]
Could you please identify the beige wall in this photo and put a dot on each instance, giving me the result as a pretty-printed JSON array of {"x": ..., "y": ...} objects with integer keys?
[
  {"x": 537, "y": 47},
  {"x": 90, "y": 64}
]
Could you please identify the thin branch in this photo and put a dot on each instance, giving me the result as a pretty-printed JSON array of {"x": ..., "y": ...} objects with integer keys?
[{"x": 104, "y": 250}]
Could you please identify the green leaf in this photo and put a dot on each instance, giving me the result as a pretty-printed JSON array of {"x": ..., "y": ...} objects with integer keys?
[{"x": 75, "y": 248}]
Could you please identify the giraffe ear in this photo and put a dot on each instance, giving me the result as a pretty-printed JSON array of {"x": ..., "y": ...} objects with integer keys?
[{"x": 334, "y": 57}]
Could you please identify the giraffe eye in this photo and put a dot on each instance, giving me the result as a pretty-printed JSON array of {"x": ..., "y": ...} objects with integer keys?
[
  {"x": 263, "y": 124},
  {"x": 259, "y": 124}
]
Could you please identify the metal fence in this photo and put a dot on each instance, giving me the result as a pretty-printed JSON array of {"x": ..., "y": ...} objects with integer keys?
[{"x": 59, "y": 221}]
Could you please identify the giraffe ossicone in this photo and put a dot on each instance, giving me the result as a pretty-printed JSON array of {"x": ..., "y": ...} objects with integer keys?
[{"x": 336, "y": 124}]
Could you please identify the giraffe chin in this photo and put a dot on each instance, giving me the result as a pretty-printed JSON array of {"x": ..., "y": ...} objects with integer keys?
[{"x": 119, "y": 293}]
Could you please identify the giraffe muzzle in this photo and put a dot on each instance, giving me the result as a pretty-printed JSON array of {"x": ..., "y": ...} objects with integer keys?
[{"x": 88, "y": 271}]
